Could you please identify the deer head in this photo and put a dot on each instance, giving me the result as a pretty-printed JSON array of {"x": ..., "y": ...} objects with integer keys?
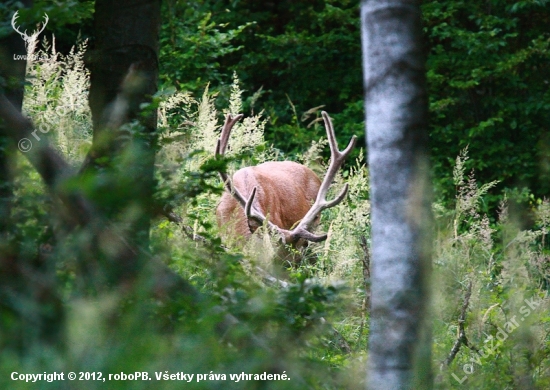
[
  {"x": 28, "y": 38},
  {"x": 286, "y": 196}
]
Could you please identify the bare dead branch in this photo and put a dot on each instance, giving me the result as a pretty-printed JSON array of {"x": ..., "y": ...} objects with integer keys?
[
  {"x": 187, "y": 230},
  {"x": 48, "y": 163},
  {"x": 461, "y": 339},
  {"x": 341, "y": 342}
]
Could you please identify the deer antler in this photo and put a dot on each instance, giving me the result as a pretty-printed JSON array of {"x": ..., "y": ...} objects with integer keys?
[
  {"x": 301, "y": 231},
  {"x": 13, "y": 20},
  {"x": 221, "y": 145},
  {"x": 337, "y": 158},
  {"x": 24, "y": 35}
]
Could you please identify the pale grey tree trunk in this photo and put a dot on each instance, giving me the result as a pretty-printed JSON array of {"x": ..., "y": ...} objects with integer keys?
[{"x": 396, "y": 121}]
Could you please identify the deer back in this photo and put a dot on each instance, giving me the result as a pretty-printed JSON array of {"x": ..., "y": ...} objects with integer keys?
[{"x": 285, "y": 192}]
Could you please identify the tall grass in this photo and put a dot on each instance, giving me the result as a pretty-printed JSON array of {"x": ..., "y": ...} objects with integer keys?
[
  {"x": 503, "y": 269},
  {"x": 315, "y": 325},
  {"x": 56, "y": 98}
]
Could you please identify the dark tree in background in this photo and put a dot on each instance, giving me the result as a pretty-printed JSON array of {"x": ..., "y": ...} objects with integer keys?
[
  {"x": 12, "y": 73},
  {"x": 396, "y": 120},
  {"x": 124, "y": 72}
]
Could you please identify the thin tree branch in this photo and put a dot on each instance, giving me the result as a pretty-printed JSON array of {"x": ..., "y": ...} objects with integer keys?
[
  {"x": 366, "y": 268},
  {"x": 461, "y": 339},
  {"x": 341, "y": 341},
  {"x": 170, "y": 215},
  {"x": 48, "y": 163}
]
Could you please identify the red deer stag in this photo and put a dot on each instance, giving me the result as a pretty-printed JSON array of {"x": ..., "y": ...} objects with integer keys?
[{"x": 288, "y": 197}]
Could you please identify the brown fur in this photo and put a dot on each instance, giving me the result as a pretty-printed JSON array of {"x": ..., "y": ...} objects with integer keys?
[{"x": 285, "y": 193}]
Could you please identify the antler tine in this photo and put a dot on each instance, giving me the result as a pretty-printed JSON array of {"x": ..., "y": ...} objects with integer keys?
[
  {"x": 302, "y": 232},
  {"x": 337, "y": 158},
  {"x": 248, "y": 206},
  {"x": 221, "y": 146},
  {"x": 252, "y": 213},
  {"x": 338, "y": 198},
  {"x": 230, "y": 121},
  {"x": 285, "y": 235}
]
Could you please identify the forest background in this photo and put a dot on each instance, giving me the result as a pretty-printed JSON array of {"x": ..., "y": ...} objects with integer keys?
[{"x": 487, "y": 75}]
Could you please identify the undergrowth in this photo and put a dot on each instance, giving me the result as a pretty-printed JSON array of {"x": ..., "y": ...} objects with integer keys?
[{"x": 489, "y": 278}]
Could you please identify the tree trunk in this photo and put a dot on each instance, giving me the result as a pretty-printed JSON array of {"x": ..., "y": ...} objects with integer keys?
[
  {"x": 396, "y": 122},
  {"x": 124, "y": 72}
]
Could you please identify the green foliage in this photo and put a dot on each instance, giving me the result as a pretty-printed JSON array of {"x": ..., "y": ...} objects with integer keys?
[
  {"x": 307, "y": 53},
  {"x": 487, "y": 73},
  {"x": 56, "y": 99},
  {"x": 193, "y": 45},
  {"x": 301, "y": 303},
  {"x": 62, "y": 16},
  {"x": 506, "y": 322},
  {"x": 488, "y": 87},
  {"x": 309, "y": 319}
]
